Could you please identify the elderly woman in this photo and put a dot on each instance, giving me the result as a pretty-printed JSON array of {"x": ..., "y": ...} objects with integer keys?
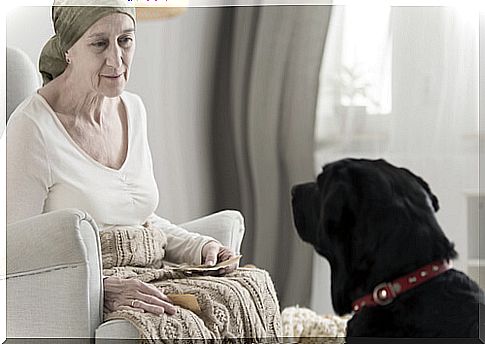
[{"x": 80, "y": 142}]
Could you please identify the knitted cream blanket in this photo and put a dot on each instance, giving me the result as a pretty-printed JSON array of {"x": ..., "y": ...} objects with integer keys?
[
  {"x": 302, "y": 325},
  {"x": 242, "y": 304}
]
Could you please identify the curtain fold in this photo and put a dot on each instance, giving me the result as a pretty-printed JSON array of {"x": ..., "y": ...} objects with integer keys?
[{"x": 265, "y": 99}]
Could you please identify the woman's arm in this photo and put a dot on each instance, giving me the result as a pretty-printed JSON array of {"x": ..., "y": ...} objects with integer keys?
[
  {"x": 182, "y": 245},
  {"x": 186, "y": 247},
  {"x": 28, "y": 172}
]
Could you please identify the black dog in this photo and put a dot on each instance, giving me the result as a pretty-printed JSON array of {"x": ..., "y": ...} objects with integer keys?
[{"x": 375, "y": 223}]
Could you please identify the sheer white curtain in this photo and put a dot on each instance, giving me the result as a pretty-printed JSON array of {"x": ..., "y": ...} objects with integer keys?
[
  {"x": 355, "y": 78},
  {"x": 421, "y": 112}
]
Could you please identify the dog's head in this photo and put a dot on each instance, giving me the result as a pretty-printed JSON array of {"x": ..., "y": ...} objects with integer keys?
[{"x": 372, "y": 221}]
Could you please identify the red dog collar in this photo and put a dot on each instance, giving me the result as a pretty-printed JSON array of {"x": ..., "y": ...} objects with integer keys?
[{"x": 386, "y": 292}]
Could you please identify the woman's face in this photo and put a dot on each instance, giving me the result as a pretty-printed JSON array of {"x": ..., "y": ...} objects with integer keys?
[{"x": 101, "y": 58}]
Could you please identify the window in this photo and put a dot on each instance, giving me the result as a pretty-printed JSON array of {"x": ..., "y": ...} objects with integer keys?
[
  {"x": 355, "y": 78},
  {"x": 431, "y": 126}
]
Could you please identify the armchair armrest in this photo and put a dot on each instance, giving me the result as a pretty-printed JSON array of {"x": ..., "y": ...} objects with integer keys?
[
  {"x": 226, "y": 226},
  {"x": 54, "y": 272}
]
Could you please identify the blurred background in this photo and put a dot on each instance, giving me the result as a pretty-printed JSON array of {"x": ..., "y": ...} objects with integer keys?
[{"x": 244, "y": 102}]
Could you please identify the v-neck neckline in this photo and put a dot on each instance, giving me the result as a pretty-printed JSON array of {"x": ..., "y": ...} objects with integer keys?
[{"x": 69, "y": 138}]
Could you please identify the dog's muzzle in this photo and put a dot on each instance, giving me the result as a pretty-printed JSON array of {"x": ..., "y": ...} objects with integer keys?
[{"x": 302, "y": 201}]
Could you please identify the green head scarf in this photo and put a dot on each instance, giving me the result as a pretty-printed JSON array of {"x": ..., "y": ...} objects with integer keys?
[{"x": 70, "y": 23}]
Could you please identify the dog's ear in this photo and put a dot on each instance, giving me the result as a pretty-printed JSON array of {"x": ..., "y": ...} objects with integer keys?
[
  {"x": 338, "y": 214},
  {"x": 334, "y": 204},
  {"x": 337, "y": 199},
  {"x": 425, "y": 186}
]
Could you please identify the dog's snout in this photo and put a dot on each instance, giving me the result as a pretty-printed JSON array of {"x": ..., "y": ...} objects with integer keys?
[
  {"x": 302, "y": 188},
  {"x": 303, "y": 208},
  {"x": 293, "y": 190}
]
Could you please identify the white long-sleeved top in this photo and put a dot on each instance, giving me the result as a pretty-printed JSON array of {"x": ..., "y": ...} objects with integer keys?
[{"x": 47, "y": 170}]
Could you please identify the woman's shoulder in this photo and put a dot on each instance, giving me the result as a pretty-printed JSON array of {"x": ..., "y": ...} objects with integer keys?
[
  {"x": 27, "y": 125},
  {"x": 30, "y": 111},
  {"x": 133, "y": 98},
  {"x": 135, "y": 105}
]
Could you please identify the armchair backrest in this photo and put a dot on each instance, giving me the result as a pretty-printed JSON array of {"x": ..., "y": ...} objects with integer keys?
[{"x": 23, "y": 79}]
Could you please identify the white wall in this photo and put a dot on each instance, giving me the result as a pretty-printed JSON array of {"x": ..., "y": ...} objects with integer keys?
[
  {"x": 28, "y": 28},
  {"x": 172, "y": 71}
]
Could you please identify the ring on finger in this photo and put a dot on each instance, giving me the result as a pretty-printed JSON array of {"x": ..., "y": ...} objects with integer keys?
[{"x": 133, "y": 303}]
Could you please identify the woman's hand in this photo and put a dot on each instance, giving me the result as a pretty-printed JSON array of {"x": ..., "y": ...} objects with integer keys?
[
  {"x": 133, "y": 294},
  {"x": 213, "y": 252}
]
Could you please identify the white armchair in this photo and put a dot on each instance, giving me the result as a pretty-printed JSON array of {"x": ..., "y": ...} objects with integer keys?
[
  {"x": 54, "y": 273},
  {"x": 54, "y": 270}
]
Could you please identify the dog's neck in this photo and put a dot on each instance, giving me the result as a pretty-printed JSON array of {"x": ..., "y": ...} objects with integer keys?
[{"x": 384, "y": 293}]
